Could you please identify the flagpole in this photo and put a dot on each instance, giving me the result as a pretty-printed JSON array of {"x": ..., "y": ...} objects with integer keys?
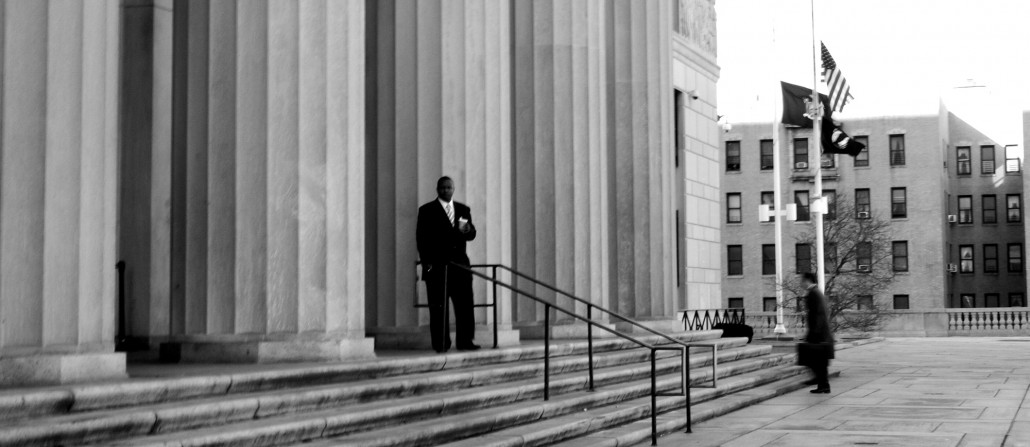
[
  {"x": 777, "y": 200},
  {"x": 817, "y": 137}
]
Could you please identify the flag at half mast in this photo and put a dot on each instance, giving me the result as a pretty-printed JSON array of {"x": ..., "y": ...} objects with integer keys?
[{"x": 840, "y": 91}]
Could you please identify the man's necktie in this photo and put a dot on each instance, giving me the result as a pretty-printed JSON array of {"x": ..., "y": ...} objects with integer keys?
[{"x": 450, "y": 213}]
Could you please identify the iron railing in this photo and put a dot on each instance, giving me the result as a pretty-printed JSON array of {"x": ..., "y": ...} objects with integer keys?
[
  {"x": 683, "y": 347},
  {"x": 705, "y": 319}
]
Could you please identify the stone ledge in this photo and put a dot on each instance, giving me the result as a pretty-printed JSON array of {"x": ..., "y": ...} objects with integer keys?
[
  {"x": 60, "y": 369},
  {"x": 418, "y": 338},
  {"x": 269, "y": 351}
]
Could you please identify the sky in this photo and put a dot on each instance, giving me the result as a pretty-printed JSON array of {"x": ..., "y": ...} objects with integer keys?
[{"x": 899, "y": 56}]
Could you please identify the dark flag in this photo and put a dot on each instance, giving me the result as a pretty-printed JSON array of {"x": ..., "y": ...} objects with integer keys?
[
  {"x": 795, "y": 104},
  {"x": 795, "y": 112}
]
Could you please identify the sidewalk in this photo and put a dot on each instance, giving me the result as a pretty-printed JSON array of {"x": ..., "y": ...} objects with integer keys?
[{"x": 900, "y": 392}]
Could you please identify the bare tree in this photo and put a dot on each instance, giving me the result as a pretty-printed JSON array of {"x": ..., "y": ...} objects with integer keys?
[{"x": 859, "y": 268}]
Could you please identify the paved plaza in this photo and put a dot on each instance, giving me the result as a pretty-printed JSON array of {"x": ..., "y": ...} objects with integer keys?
[{"x": 939, "y": 392}]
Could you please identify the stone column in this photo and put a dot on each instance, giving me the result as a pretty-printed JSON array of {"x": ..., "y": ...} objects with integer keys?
[
  {"x": 561, "y": 152},
  {"x": 266, "y": 178},
  {"x": 275, "y": 103},
  {"x": 439, "y": 105},
  {"x": 640, "y": 138},
  {"x": 58, "y": 146}
]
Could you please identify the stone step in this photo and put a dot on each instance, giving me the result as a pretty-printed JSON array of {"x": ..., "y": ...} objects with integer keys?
[
  {"x": 21, "y": 404},
  {"x": 507, "y": 404},
  {"x": 582, "y": 424},
  {"x": 551, "y": 414},
  {"x": 639, "y": 432},
  {"x": 196, "y": 413}
]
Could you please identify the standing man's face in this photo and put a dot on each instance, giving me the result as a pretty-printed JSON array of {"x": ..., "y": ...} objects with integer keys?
[{"x": 445, "y": 190}]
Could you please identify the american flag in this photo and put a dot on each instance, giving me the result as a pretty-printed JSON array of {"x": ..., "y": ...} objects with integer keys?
[{"x": 840, "y": 92}]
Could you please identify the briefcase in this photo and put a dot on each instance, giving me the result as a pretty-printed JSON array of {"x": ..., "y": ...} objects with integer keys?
[{"x": 814, "y": 354}]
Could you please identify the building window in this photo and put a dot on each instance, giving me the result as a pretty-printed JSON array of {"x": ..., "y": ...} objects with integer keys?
[
  {"x": 990, "y": 206},
  {"x": 863, "y": 209},
  {"x": 899, "y": 203},
  {"x": 769, "y": 199},
  {"x": 990, "y": 258},
  {"x": 801, "y": 201},
  {"x": 768, "y": 259},
  {"x": 829, "y": 161},
  {"x": 900, "y": 255},
  {"x": 864, "y": 257},
  {"x": 967, "y": 300},
  {"x": 987, "y": 159},
  {"x": 765, "y": 148},
  {"x": 830, "y": 257},
  {"x": 1013, "y": 158},
  {"x": 801, "y": 153},
  {"x": 964, "y": 166},
  {"x": 735, "y": 254},
  {"x": 1016, "y": 258},
  {"x": 864, "y": 302},
  {"x": 831, "y": 203},
  {"x": 992, "y": 300},
  {"x": 733, "y": 207},
  {"x": 897, "y": 146},
  {"x": 803, "y": 258},
  {"x": 1016, "y": 300},
  {"x": 732, "y": 156},
  {"x": 736, "y": 303},
  {"x": 965, "y": 255},
  {"x": 769, "y": 304},
  {"x": 900, "y": 302},
  {"x": 965, "y": 209},
  {"x": 1014, "y": 207},
  {"x": 862, "y": 159}
]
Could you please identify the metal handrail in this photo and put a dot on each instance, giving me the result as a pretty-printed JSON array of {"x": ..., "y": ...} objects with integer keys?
[
  {"x": 492, "y": 304},
  {"x": 684, "y": 349},
  {"x": 591, "y": 306}
]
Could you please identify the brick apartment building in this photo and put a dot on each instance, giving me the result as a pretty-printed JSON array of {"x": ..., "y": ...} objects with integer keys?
[{"x": 950, "y": 185}]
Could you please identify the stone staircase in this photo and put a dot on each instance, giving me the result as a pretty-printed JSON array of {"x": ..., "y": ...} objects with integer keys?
[{"x": 484, "y": 398}]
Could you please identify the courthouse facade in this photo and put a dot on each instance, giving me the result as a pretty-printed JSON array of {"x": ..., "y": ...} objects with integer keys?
[{"x": 257, "y": 166}]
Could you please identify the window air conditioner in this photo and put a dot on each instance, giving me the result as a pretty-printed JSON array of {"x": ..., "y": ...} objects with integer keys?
[
  {"x": 827, "y": 163},
  {"x": 863, "y": 268},
  {"x": 863, "y": 214},
  {"x": 952, "y": 268},
  {"x": 800, "y": 165},
  {"x": 952, "y": 218}
]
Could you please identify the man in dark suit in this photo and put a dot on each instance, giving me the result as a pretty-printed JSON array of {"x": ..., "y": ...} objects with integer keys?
[
  {"x": 819, "y": 333},
  {"x": 444, "y": 227}
]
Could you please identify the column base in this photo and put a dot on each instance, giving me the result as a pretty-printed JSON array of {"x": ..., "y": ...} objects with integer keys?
[
  {"x": 418, "y": 338},
  {"x": 268, "y": 351},
  {"x": 664, "y": 325},
  {"x": 56, "y": 369}
]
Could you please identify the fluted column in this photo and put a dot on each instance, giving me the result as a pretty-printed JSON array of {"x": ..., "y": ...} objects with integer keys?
[
  {"x": 641, "y": 138},
  {"x": 441, "y": 95},
  {"x": 561, "y": 153},
  {"x": 268, "y": 183},
  {"x": 58, "y": 146}
]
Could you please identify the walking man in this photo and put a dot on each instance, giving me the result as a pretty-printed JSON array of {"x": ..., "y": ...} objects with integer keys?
[
  {"x": 444, "y": 227},
  {"x": 819, "y": 339}
]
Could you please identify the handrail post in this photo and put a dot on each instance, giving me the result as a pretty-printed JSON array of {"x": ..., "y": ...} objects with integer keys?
[
  {"x": 494, "y": 282},
  {"x": 686, "y": 374},
  {"x": 590, "y": 347},
  {"x": 547, "y": 350},
  {"x": 654, "y": 401},
  {"x": 686, "y": 382},
  {"x": 444, "y": 336}
]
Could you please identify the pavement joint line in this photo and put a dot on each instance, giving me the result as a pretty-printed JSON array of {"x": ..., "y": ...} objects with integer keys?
[{"x": 1012, "y": 424}]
